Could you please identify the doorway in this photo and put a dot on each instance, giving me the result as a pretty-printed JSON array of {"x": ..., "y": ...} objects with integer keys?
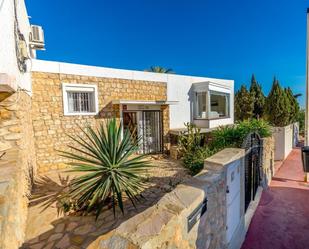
[
  {"x": 152, "y": 132},
  {"x": 130, "y": 123},
  {"x": 146, "y": 125}
]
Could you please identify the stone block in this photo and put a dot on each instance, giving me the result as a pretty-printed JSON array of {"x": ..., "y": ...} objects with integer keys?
[
  {"x": 13, "y": 136},
  {"x": 5, "y": 114},
  {"x": 4, "y": 146}
]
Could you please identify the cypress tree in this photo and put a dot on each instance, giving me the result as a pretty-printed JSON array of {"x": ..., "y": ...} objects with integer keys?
[
  {"x": 294, "y": 106},
  {"x": 243, "y": 104},
  {"x": 258, "y": 98},
  {"x": 278, "y": 106}
]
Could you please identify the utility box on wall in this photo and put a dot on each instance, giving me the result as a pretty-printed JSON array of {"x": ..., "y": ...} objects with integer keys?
[
  {"x": 233, "y": 198},
  {"x": 305, "y": 158}
]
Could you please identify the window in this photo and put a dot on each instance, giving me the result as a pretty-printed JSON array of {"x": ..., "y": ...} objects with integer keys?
[
  {"x": 80, "y": 99},
  {"x": 212, "y": 105},
  {"x": 219, "y": 105},
  {"x": 201, "y": 110}
]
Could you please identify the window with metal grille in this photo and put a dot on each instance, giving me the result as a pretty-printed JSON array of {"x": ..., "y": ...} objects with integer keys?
[
  {"x": 81, "y": 102},
  {"x": 80, "y": 99}
]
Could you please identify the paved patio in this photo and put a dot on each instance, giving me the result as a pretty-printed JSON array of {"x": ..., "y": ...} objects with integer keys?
[
  {"x": 46, "y": 230},
  {"x": 281, "y": 220}
]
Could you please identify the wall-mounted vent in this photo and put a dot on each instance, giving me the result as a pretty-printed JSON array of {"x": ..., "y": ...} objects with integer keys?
[{"x": 37, "y": 37}]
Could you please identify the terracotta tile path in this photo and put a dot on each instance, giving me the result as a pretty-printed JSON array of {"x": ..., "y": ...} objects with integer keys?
[{"x": 281, "y": 220}]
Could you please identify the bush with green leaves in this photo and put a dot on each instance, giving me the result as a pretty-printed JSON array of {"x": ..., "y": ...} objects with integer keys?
[
  {"x": 194, "y": 160},
  {"x": 234, "y": 135},
  {"x": 194, "y": 153},
  {"x": 111, "y": 170},
  {"x": 301, "y": 120},
  {"x": 192, "y": 148},
  {"x": 190, "y": 139}
]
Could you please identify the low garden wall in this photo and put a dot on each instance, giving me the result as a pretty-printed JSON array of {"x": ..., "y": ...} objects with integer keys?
[
  {"x": 169, "y": 223},
  {"x": 283, "y": 141}
]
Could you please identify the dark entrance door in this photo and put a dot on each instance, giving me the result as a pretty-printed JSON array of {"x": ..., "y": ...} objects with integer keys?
[
  {"x": 130, "y": 123},
  {"x": 152, "y": 132},
  {"x": 253, "y": 161}
]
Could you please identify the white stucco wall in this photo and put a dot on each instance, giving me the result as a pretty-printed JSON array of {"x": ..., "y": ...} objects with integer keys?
[
  {"x": 8, "y": 61},
  {"x": 283, "y": 141},
  {"x": 179, "y": 88}
]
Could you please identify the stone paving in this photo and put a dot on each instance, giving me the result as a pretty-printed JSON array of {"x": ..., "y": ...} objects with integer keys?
[{"x": 47, "y": 230}]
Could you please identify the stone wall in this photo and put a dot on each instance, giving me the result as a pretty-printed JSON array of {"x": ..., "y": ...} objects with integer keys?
[
  {"x": 268, "y": 160},
  {"x": 51, "y": 126},
  {"x": 165, "y": 225},
  {"x": 17, "y": 167}
]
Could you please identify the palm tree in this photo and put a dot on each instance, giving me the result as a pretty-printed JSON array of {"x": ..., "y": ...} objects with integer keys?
[{"x": 158, "y": 69}]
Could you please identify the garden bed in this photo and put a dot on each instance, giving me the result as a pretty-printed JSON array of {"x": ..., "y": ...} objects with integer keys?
[{"x": 45, "y": 229}]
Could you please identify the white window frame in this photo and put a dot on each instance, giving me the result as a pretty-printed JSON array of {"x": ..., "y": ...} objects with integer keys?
[
  {"x": 79, "y": 88},
  {"x": 228, "y": 103},
  {"x": 208, "y": 104}
]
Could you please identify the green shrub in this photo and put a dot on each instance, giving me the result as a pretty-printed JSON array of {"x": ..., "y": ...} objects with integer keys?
[
  {"x": 191, "y": 146},
  {"x": 259, "y": 126},
  {"x": 234, "y": 135},
  {"x": 225, "y": 136},
  {"x": 194, "y": 153},
  {"x": 194, "y": 161},
  {"x": 110, "y": 168},
  {"x": 191, "y": 139},
  {"x": 301, "y": 120}
]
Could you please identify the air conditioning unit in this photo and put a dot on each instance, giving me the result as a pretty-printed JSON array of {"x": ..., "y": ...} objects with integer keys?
[{"x": 37, "y": 37}]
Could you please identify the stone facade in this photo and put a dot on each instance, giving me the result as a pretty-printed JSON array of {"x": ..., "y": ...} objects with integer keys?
[
  {"x": 17, "y": 166},
  {"x": 268, "y": 160},
  {"x": 50, "y": 125}
]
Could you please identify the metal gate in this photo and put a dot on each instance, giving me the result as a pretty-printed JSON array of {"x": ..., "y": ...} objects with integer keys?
[{"x": 253, "y": 159}]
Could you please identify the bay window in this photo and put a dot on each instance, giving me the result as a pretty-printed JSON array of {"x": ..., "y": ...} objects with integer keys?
[{"x": 211, "y": 105}]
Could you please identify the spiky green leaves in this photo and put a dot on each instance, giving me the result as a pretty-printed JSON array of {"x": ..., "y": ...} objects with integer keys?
[
  {"x": 158, "y": 69},
  {"x": 111, "y": 169}
]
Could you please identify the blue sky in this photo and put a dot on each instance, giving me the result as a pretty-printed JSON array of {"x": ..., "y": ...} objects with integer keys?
[{"x": 217, "y": 38}]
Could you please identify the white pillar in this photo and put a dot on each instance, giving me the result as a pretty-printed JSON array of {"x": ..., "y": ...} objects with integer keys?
[{"x": 307, "y": 85}]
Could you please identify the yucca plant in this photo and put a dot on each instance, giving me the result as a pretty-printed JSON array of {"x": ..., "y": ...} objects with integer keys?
[{"x": 111, "y": 170}]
